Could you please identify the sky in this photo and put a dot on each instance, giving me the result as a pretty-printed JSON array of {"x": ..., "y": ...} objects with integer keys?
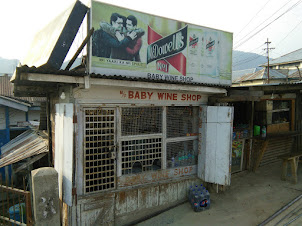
[{"x": 251, "y": 22}]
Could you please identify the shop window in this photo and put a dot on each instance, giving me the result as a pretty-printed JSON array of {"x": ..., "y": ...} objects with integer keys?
[
  {"x": 182, "y": 121},
  {"x": 141, "y": 155},
  {"x": 141, "y": 120},
  {"x": 182, "y": 136},
  {"x": 142, "y": 139},
  {"x": 182, "y": 153}
]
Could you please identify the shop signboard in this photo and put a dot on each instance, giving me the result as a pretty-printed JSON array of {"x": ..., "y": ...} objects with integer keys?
[{"x": 135, "y": 44}]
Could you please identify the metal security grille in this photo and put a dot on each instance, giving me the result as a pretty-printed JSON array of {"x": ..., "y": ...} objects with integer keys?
[
  {"x": 99, "y": 149},
  {"x": 141, "y": 155},
  {"x": 182, "y": 121},
  {"x": 141, "y": 120},
  {"x": 182, "y": 153}
]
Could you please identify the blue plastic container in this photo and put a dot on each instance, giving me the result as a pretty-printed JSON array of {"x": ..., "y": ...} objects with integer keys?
[{"x": 17, "y": 213}]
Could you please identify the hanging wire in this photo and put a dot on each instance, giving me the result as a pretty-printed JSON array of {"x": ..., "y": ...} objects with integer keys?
[
  {"x": 253, "y": 18},
  {"x": 288, "y": 10}
]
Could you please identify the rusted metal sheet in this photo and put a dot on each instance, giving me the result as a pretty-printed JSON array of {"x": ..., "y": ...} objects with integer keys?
[
  {"x": 276, "y": 147},
  {"x": 27, "y": 144},
  {"x": 155, "y": 176}
]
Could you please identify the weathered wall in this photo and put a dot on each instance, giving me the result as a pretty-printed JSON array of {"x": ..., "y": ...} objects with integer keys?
[{"x": 132, "y": 204}]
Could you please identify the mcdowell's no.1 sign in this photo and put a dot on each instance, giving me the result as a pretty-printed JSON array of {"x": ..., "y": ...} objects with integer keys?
[{"x": 134, "y": 44}]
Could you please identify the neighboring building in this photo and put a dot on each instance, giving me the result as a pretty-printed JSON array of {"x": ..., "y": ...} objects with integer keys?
[
  {"x": 260, "y": 78},
  {"x": 284, "y": 69},
  {"x": 16, "y": 113},
  {"x": 290, "y": 61},
  {"x": 240, "y": 73}
]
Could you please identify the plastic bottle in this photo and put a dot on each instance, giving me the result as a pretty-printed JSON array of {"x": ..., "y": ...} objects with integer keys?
[
  {"x": 194, "y": 155},
  {"x": 176, "y": 161},
  {"x": 195, "y": 202},
  {"x": 186, "y": 158},
  {"x": 202, "y": 201},
  {"x": 189, "y": 158},
  {"x": 183, "y": 158},
  {"x": 172, "y": 162},
  {"x": 263, "y": 131},
  {"x": 208, "y": 200},
  {"x": 180, "y": 158}
]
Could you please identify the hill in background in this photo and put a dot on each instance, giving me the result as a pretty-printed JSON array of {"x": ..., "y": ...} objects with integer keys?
[
  {"x": 244, "y": 60},
  {"x": 241, "y": 61},
  {"x": 8, "y": 66}
]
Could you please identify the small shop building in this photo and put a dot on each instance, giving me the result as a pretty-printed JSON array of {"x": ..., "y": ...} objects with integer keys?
[{"x": 129, "y": 138}]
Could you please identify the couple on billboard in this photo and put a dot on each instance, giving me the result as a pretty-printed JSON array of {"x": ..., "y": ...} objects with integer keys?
[{"x": 121, "y": 39}]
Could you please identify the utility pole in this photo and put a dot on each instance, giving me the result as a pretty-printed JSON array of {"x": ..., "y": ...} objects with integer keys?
[{"x": 267, "y": 51}]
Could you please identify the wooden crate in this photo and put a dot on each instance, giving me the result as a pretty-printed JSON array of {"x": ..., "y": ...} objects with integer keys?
[
  {"x": 278, "y": 128},
  {"x": 284, "y": 127},
  {"x": 274, "y": 128}
]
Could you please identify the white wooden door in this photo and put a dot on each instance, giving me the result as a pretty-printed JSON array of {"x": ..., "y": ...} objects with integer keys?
[
  {"x": 64, "y": 132},
  {"x": 214, "y": 158}
]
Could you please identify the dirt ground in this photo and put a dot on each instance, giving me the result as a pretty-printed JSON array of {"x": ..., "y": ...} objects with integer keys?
[{"x": 251, "y": 199}]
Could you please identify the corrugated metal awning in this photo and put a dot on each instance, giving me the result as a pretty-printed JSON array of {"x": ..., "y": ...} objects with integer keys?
[{"x": 27, "y": 144}]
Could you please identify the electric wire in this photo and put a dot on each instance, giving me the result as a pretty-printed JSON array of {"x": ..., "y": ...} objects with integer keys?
[
  {"x": 253, "y": 18},
  {"x": 292, "y": 7},
  {"x": 266, "y": 19},
  {"x": 289, "y": 33}
]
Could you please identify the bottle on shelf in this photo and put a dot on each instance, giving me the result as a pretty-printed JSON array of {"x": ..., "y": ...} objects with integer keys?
[
  {"x": 172, "y": 162},
  {"x": 263, "y": 131}
]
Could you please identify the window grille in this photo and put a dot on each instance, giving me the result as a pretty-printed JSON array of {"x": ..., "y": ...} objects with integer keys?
[
  {"x": 141, "y": 120},
  {"x": 182, "y": 121},
  {"x": 182, "y": 153},
  {"x": 141, "y": 155},
  {"x": 99, "y": 141}
]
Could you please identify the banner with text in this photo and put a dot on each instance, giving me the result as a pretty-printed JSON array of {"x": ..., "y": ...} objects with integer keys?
[{"x": 134, "y": 44}]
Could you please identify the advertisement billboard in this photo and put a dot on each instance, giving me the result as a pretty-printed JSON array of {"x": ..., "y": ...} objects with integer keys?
[{"x": 134, "y": 44}]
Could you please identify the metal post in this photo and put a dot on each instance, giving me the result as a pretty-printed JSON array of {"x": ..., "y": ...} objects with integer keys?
[{"x": 267, "y": 51}]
